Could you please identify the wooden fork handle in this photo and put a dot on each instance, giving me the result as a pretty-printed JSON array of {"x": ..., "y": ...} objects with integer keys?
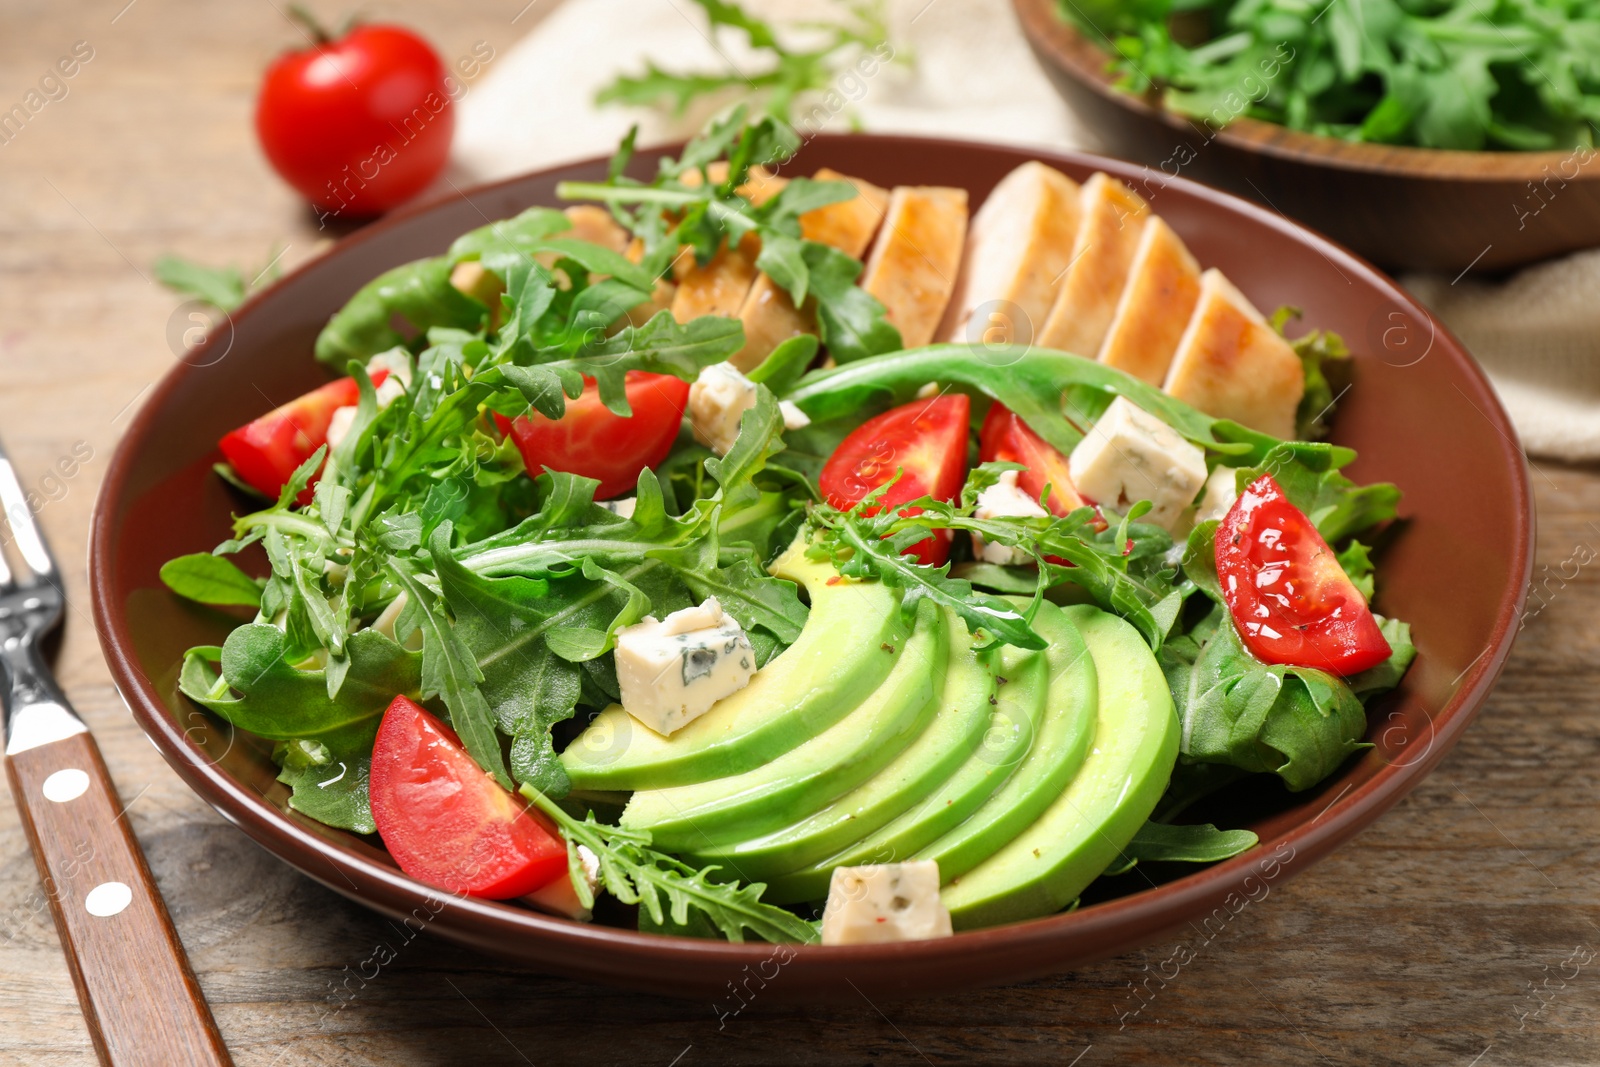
[{"x": 139, "y": 996}]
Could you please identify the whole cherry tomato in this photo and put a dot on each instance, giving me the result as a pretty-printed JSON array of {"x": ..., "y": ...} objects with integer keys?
[{"x": 359, "y": 124}]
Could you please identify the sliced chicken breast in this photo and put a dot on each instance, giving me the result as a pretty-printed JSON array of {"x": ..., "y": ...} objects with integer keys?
[
  {"x": 1231, "y": 364},
  {"x": 769, "y": 315},
  {"x": 917, "y": 257},
  {"x": 1018, "y": 246},
  {"x": 720, "y": 286},
  {"x": 1163, "y": 285},
  {"x": 1110, "y": 222},
  {"x": 849, "y": 224}
]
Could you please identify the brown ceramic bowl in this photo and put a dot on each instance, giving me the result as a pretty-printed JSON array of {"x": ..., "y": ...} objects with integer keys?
[
  {"x": 1419, "y": 411},
  {"x": 1411, "y": 208}
]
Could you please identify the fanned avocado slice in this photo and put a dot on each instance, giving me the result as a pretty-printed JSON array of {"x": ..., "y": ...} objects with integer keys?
[
  {"x": 1046, "y": 866},
  {"x": 806, "y": 777},
  {"x": 842, "y": 655},
  {"x": 1057, "y": 751},
  {"x": 948, "y": 742},
  {"x": 1013, "y": 722}
]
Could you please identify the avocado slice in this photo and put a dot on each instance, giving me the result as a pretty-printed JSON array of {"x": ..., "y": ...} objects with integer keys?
[
  {"x": 1016, "y": 712},
  {"x": 1058, "y": 750},
  {"x": 844, "y": 652},
  {"x": 957, "y": 730},
  {"x": 832, "y": 763},
  {"x": 1046, "y": 866}
]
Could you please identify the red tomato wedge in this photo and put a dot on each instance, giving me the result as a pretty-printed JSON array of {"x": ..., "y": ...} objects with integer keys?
[
  {"x": 448, "y": 823},
  {"x": 926, "y": 440},
  {"x": 1291, "y": 600},
  {"x": 1006, "y": 438},
  {"x": 592, "y": 441},
  {"x": 267, "y": 451}
]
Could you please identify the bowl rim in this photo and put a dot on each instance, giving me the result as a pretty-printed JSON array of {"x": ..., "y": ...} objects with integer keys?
[
  {"x": 1080, "y": 58},
  {"x": 385, "y": 888}
]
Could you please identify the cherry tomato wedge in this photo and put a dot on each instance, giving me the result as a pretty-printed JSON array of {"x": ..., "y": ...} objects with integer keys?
[
  {"x": 1006, "y": 438},
  {"x": 926, "y": 440},
  {"x": 592, "y": 441},
  {"x": 267, "y": 451},
  {"x": 1291, "y": 600},
  {"x": 448, "y": 823}
]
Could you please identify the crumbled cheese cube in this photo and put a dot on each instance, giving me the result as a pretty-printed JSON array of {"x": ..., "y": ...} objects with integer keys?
[
  {"x": 398, "y": 364},
  {"x": 885, "y": 902},
  {"x": 671, "y": 671},
  {"x": 1130, "y": 455},
  {"x": 716, "y": 401},
  {"x": 623, "y": 507},
  {"x": 1005, "y": 497},
  {"x": 339, "y": 425},
  {"x": 720, "y": 397},
  {"x": 560, "y": 897},
  {"x": 793, "y": 417},
  {"x": 1218, "y": 495}
]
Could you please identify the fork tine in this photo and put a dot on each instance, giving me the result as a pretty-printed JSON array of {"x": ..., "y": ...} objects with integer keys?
[{"x": 24, "y": 530}]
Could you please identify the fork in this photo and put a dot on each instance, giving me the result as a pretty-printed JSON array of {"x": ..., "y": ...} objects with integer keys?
[{"x": 139, "y": 995}]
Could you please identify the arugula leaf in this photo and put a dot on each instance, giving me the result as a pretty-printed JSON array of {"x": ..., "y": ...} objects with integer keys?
[
  {"x": 1033, "y": 382},
  {"x": 787, "y": 74},
  {"x": 221, "y": 287},
  {"x": 872, "y": 547},
  {"x": 259, "y": 691},
  {"x": 1462, "y": 76},
  {"x": 665, "y": 888},
  {"x": 785, "y": 364},
  {"x": 1127, "y": 569},
  {"x": 418, "y": 294},
  {"x": 709, "y": 216},
  {"x": 1199, "y": 843},
  {"x": 1295, "y": 722},
  {"x": 1316, "y": 350},
  {"x": 1309, "y": 475},
  {"x": 210, "y": 579},
  {"x": 329, "y": 787},
  {"x": 451, "y": 671}
]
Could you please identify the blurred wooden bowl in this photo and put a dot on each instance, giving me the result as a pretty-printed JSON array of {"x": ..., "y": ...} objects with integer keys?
[{"x": 1403, "y": 208}]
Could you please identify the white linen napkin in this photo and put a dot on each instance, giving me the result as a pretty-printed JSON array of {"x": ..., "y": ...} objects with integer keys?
[{"x": 973, "y": 75}]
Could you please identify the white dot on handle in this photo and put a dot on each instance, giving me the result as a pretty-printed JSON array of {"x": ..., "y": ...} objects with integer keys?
[
  {"x": 107, "y": 899},
  {"x": 66, "y": 785}
]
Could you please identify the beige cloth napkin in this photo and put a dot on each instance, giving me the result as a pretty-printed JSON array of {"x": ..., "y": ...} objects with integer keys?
[{"x": 972, "y": 75}]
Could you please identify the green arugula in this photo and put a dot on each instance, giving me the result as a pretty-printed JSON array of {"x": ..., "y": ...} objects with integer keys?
[
  {"x": 710, "y": 215},
  {"x": 224, "y": 288},
  {"x": 665, "y": 888},
  {"x": 785, "y": 75},
  {"x": 1456, "y": 74},
  {"x": 1059, "y": 395},
  {"x": 209, "y": 579},
  {"x": 1198, "y": 843}
]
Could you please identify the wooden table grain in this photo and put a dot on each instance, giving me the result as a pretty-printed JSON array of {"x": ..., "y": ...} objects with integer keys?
[{"x": 1460, "y": 930}]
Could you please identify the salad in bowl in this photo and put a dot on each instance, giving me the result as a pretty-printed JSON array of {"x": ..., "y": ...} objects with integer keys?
[{"x": 741, "y": 554}]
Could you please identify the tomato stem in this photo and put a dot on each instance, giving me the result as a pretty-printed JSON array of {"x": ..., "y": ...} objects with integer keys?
[{"x": 301, "y": 14}]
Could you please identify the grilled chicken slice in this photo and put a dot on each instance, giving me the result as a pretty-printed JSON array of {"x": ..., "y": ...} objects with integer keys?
[
  {"x": 769, "y": 316},
  {"x": 1109, "y": 226},
  {"x": 1163, "y": 285},
  {"x": 849, "y": 224},
  {"x": 914, "y": 264},
  {"x": 1018, "y": 248},
  {"x": 1231, "y": 364},
  {"x": 721, "y": 285}
]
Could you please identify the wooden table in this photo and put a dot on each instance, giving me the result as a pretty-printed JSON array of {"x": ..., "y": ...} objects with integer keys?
[{"x": 1449, "y": 933}]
